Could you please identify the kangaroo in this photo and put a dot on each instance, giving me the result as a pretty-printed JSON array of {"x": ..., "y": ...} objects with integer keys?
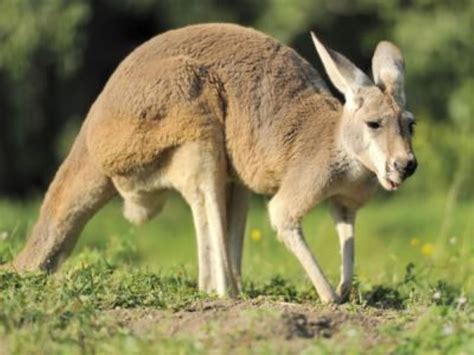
[{"x": 217, "y": 111}]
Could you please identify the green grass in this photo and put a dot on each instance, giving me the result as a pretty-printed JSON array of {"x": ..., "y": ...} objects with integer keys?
[{"x": 414, "y": 263}]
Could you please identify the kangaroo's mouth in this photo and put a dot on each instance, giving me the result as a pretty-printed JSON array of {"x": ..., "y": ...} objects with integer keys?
[
  {"x": 390, "y": 179},
  {"x": 393, "y": 185},
  {"x": 389, "y": 183}
]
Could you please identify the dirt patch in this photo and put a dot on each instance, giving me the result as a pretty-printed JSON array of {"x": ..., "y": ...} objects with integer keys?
[{"x": 236, "y": 324}]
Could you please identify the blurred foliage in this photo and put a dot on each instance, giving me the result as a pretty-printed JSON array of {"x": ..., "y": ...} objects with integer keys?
[
  {"x": 40, "y": 46},
  {"x": 55, "y": 56},
  {"x": 31, "y": 27}
]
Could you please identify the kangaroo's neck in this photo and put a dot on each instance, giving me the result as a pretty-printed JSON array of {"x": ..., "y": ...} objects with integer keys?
[
  {"x": 319, "y": 126},
  {"x": 321, "y": 146}
]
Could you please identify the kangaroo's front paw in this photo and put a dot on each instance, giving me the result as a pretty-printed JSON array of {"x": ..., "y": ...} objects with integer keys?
[
  {"x": 343, "y": 291},
  {"x": 237, "y": 281},
  {"x": 329, "y": 298},
  {"x": 231, "y": 289}
]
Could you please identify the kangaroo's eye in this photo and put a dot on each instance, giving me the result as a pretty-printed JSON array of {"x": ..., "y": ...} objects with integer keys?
[
  {"x": 373, "y": 124},
  {"x": 411, "y": 127}
]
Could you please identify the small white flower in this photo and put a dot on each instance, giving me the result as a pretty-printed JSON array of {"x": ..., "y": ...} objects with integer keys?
[
  {"x": 462, "y": 301},
  {"x": 448, "y": 330},
  {"x": 351, "y": 332},
  {"x": 3, "y": 235},
  {"x": 437, "y": 295}
]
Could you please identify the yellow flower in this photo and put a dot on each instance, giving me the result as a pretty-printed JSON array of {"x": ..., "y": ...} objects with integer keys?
[
  {"x": 414, "y": 242},
  {"x": 256, "y": 234},
  {"x": 427, "y": 249}
]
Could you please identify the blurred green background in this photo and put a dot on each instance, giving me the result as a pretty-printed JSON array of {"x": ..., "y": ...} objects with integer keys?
[{"x": 56, "y": 55}]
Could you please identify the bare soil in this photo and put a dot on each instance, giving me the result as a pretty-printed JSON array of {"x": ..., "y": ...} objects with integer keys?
[{"x": 239, "y": 324}]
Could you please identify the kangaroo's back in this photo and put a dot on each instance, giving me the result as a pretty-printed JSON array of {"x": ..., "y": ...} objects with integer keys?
[
  {"x": 158, "y": 94},
  {"x": 250, "y": 63}
]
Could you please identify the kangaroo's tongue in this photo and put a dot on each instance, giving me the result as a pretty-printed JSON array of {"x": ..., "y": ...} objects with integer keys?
[{"x": 394, "y": 185}]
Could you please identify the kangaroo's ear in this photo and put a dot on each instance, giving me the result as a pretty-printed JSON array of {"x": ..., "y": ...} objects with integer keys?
[
  {"x": 388, "y": 69},
  {"x": 345, "y": 76}
]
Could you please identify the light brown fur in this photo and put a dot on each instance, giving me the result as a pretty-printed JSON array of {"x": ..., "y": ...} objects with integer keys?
[{"x": 214, "y": 111}]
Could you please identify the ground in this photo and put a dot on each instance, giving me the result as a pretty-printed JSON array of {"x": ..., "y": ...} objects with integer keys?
[
  {"x": 133, "y": 289},
  {"x": 231, "y": 325}
]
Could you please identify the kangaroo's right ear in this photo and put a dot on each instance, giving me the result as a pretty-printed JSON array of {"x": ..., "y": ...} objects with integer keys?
[
  {"x": 388, "y": 68},
  {"x": 345, "y": 76}
]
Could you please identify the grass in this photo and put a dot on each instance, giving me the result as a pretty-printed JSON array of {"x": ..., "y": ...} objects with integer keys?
[{"x": 413, "y": 290}]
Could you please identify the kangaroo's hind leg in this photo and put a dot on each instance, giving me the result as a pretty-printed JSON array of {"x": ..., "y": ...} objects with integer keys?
[
  {"x": 77, "y": 192},
  {"x": 204, "y": 245},
  {"x": 198, "y": 170},
  {"x": 237, "y": 208}
]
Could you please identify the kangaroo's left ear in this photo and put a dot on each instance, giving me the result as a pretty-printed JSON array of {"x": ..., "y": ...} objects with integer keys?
[
  {"x": 388, "y": 69},
  {"x": 345, "y": 76}
]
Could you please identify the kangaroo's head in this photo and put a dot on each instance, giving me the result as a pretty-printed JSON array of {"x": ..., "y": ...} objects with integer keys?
[{"x": 375, "y": 126}]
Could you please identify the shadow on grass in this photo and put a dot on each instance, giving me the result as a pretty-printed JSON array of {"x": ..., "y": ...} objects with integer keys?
[{"x": 383, "y": 297}]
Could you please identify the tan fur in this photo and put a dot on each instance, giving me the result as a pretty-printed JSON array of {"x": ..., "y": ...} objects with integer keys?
[{"x": 216, "y": 110}]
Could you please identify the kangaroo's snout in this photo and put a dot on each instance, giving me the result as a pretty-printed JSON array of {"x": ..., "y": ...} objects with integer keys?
[{"x": 405, "y": 166}]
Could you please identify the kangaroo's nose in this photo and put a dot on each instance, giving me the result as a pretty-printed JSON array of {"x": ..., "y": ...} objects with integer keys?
[
  {"x": 406, "y": 166},
  {"x": 412, "y": 164}
]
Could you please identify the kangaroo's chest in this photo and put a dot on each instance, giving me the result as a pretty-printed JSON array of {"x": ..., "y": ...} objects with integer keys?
[{"x": 355, "y": 183}]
